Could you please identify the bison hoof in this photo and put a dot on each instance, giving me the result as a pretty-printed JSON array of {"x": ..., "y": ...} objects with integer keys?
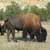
[{"x": 2, "y": 33}]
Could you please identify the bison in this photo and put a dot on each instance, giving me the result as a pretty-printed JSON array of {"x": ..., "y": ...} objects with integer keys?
[{"x": 29, "y": 23}]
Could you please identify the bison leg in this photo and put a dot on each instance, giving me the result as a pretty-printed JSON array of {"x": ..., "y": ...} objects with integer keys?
[
  {"x": 8, "y": 34},
  {"x": 24, "y": 34},
  {"x": 13, "y": 34},
  {"x": 31, "y": 36}
]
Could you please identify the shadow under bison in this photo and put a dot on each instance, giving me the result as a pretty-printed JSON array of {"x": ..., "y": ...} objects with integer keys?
[{"x": 28, "y": 23}]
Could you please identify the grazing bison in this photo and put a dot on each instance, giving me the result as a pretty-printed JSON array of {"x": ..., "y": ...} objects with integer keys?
[{"x": 29, "y": 23}]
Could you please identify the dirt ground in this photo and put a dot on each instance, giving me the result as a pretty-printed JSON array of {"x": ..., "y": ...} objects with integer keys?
[{"x": 25, "y": 45}]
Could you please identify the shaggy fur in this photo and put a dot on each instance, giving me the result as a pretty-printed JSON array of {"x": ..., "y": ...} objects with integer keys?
[{"x": 28, "y": 23}]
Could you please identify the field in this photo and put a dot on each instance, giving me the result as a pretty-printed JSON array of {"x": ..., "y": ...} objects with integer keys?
[{"x": 25, "y": 45}]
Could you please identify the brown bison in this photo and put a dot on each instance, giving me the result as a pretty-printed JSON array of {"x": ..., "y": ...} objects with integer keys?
[{"x": 29, "y": 23}]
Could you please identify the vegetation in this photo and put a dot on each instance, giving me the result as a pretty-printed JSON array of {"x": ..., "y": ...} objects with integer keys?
[
  {"x": 48, "y": 10},
  {"x": 14, "y": 9},
  {"x": 2, "y": 15}
]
